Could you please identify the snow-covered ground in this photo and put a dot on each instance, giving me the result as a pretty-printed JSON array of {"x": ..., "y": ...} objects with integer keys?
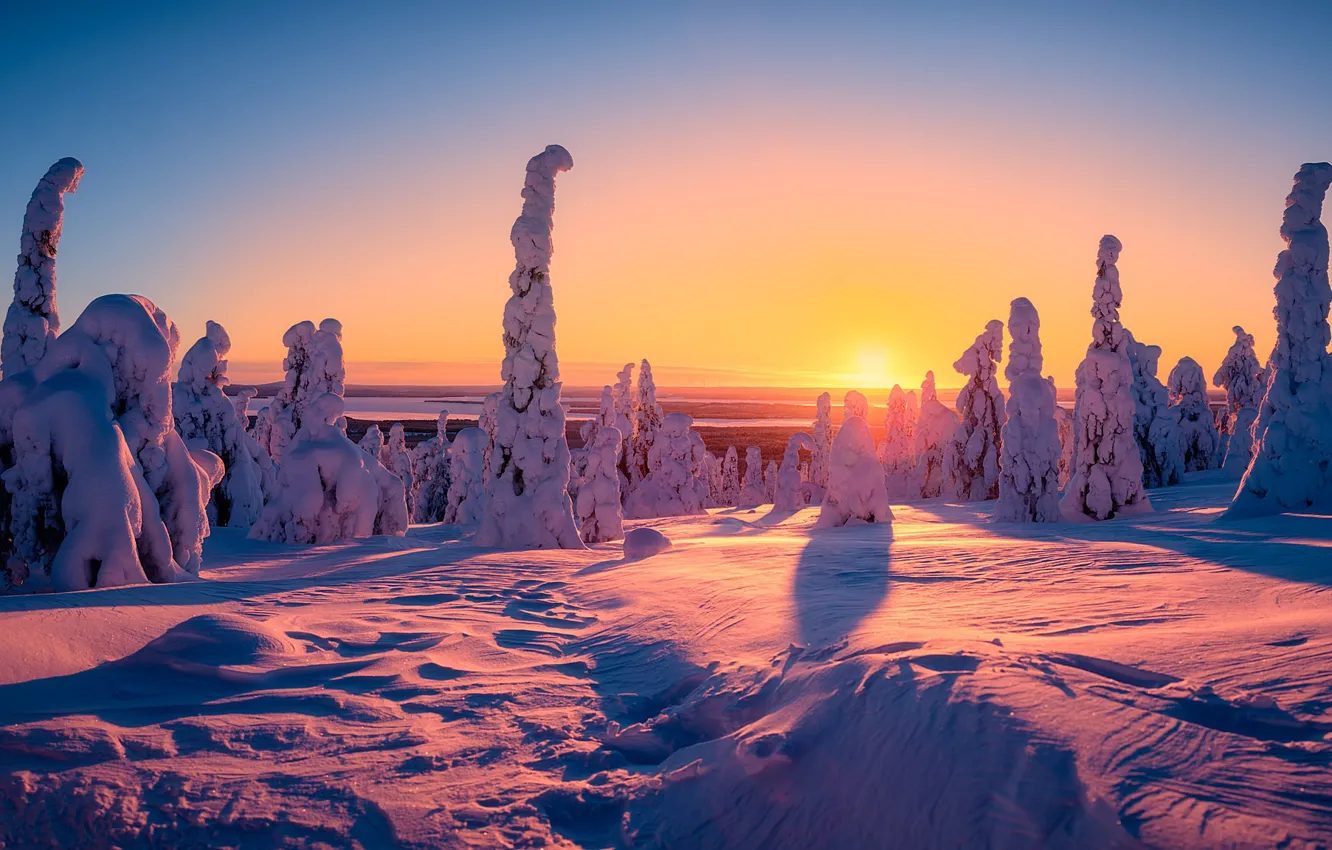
[{"x": 1161, "y": 680}]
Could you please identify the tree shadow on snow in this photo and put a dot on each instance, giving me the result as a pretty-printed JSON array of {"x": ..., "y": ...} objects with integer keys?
[{"x": 841, "y": 578}]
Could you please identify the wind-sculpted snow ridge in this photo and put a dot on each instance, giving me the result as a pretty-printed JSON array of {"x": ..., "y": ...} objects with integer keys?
[
  {"x": 897, "y": 452},
  {"x": 934, "y": 435},
  {"x": 103, "y": 489},
  {"x": 1291, "y": 468},
  {"x": 431, "y": 474},
  {"x": 207, "y": 419},
  {"x": 527, "y": 502},
  {"x": 1243, "y": 379},
  {"x": 672, "y": 486},
  {"x": 751, "y": 487},
  {"x": 33, "y": 320},
  {"x": 1198, "y": 439},
  {"x": 823, "y": 437},
  {"x": 980, "y": 412},
  {"x": 314, "y": 366},
  {"x": 329, "y": 488},
  {"x": 599, "y": 494},
  {"x": 856, "y": 490},
  {"x": 1029, "y": 454},
  {"x": 1107, "y": 468},
  {"x": 789, "y": 494}
]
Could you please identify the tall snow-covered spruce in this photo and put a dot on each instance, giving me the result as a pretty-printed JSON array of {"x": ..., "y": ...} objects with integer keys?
[
  {"x": 980, "y": 412},
  {"x": 1198, "y": 439},
  {"x": 1291, "y": 468},
  {"x": 527, "y": 502},
  {"x": 1154, "y": 426},
  {"x": 897, "y": 452},
  {"x": 935, "y": 427},
  {"x": 823, "y": 440},
  {"x": 314, "y": 366},
  {"x": 599, "y": 494},
  {"x": 32, "y": 321},
  {"x": 1241, "y": 376},
  {"x": 1029, "y": 453},
  {"x": 1107, "y": 469}
]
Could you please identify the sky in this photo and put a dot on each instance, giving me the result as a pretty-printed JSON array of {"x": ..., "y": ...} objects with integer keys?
[{"x": 830, "y": 194}]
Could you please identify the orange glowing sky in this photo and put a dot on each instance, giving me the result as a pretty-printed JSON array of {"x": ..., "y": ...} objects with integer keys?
[{"x": 775, "y": 205}]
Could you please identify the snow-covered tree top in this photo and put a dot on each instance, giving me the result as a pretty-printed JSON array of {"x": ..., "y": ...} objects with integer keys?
[
  {"x": 1186, "y": 381},
  {"x": 1107, "y": 332},
  {"x": 1024, "y": 339},
  {"x": 1302, "y": 287},
  {"x": 855, "y": 404},
  {"x": 1239, "y": 373},
  {"x": 204, "y": 362},
  {"x": 987, "y": 350},
  {"x": 531, "y": 234},
  {"x": 927, "y": 391}
]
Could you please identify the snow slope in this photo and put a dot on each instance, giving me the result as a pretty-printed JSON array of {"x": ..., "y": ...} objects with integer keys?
[{"x": 938, "y": 682}]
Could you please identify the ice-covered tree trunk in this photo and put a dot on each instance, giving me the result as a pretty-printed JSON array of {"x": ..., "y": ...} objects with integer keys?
[
  {"x": 33, "y": 321},
  {"x": 372, "y": 443},
  {"x": 823, "y": 439},
  {"x": 934, "y": 435},
  {"x": 431, "y": 473},
  {"x": 770, "y": 482},
  {"x": 1154, "y": 426},
  {"x": 672, "y": 486},
  {"x": 730, "y": 479},
  {"x": 1198, "y": 439},
  {"x": 1029, "y": 446},
  {"x": 789, "y": 493},
  {"x": 897, "y": 453},
  {"x": 751, "y": 488},
  {"x": 467, "y": 458},
  {"x": 647, "y": 422},
  {"x": 1107, "y": 468},
  {"x": 1241, "y": 375},
  {"x": 856, "y": 491},
  {"x": 1292, "y": 458},
  {"x": 527, "y": 492},
  {"x": 207, "y": 419},
  {"x": 980, "y": 413},
  {"x": 398, "y": 460},
  {"x": 599, "y": 495}
]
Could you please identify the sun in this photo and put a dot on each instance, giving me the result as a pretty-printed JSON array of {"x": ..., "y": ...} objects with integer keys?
[{"x": 871, "y": 369}]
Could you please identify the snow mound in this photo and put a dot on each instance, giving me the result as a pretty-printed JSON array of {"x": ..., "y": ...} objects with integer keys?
[{"x": 644, "y": 543}]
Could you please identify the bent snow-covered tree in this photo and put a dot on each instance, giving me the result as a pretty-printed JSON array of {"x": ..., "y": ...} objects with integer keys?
[
  {"x": 1291, "y": 468},
  {"x": 207, "y": 419},
  {"x": 1154, "y": 426},
  {"x": 1198, "y": 439},
  {"x": 1241, "y": 376},
  {"x": 935, "y": 426},
  {"x": 32, "y": 321},
  {"x": 527, "y": 500},
  {"x": 1029, "y": 447},
  {"x": 980, "y": 413},
  {"x": 1107, "y": 469},
  {"x": 314, "y": 366}
]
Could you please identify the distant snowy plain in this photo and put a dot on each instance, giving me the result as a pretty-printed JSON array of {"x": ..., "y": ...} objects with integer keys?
[{"x": 1161, "y": 681}]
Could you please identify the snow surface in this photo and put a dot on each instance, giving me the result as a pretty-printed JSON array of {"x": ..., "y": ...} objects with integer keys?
[{"x": 644, "y": 543}]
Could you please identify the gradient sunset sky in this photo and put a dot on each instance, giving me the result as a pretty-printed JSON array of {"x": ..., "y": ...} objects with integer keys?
[{"x": 801, "y": 195}]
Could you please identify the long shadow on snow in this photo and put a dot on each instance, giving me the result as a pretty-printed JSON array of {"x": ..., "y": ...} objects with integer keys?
[{"x": 841, "y": 577}]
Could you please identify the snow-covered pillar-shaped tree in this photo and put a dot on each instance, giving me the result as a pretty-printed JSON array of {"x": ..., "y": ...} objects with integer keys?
[
  {"x": 646, "y": 424},
  {"x": 398, "y": 460},
  {"x": 897, "y": 452},
  {"x": 1029, "y": 447},
  {"x": 431, "y": 473},
  {"x": 980, "y": 410},
  {"x": 527, "y": 492},
  {"x": 1241, "y": 375},
  {"x": 935, "y": 428},
  {"x": 241, "y": 403},
  {"x": 314, "y": 366},
  {"x": 789, "y": 494},
  {"x": 1292, "y": 459},
  {"x": 467, "y": 458},
  {"x": 1154, "y": 426},
  {"x": 1107, "y": 469},
  {"x": 1064, "y": 421},
  {"x": 730, "y": 479},
  {"x": 751, "y": 488},
  {"x": 1198, "y": 439},
  {"x": 856, "y": 491},
  {"x": 672, "y": 486},
  {"x": 823, "y": 439},
  {"x": 770, "y": 481},
  {"x": 599, "y": 495},
  {"x": 372, "y": 443},
  {"x": 854, "y": 403},
  {"x": 32, "y": 321}
]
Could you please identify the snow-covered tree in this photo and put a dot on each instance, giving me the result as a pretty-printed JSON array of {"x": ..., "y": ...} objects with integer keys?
[
  {"x": 398, "y": 460},
  {"x": 647, "y": 422},
  {"x": 1064, "y": 421},
  {"x": 710, "y": 471},
  {"x": 935, "y": 427},
  {"x": 770, "y": 482},
  {"x": 789, "y": 494},
  {"x": 467, "y": 461},
  {"x": 1107, "y": 469},
  {"x": 897, "y": 452},
  {"x": 527, "y": 492},
  {"x": 980, "y": 409},
  {"x": 207, "y": 419},
  {"x": 1198, "y": 440},
  {"x": 823, "y": 439},
  {"x": 314, "y": 366},
  {"x": 431, "y": 474},
  {"x": 241, "y": 402},
  {"x": 672, "y": 486},
  {"x": 856, "y": 491},
  {"x": 730, "y": 479},
  {"x": 33, "y": 321},
  {"x": 626, "y": 412},
  {"x": 1241, "y": 375},
  {"x": 488, "y": 421},
  {"x": 599, "y": 494},
  {"x": 373, "y": 443},
  {"x": 1154, "y": 426},
  {"x": 329, "y": 488},
  {"x": 751, "y": 487},
  {"x": 1029, "y": 445},
  {"x": 855, "y": 404}
]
